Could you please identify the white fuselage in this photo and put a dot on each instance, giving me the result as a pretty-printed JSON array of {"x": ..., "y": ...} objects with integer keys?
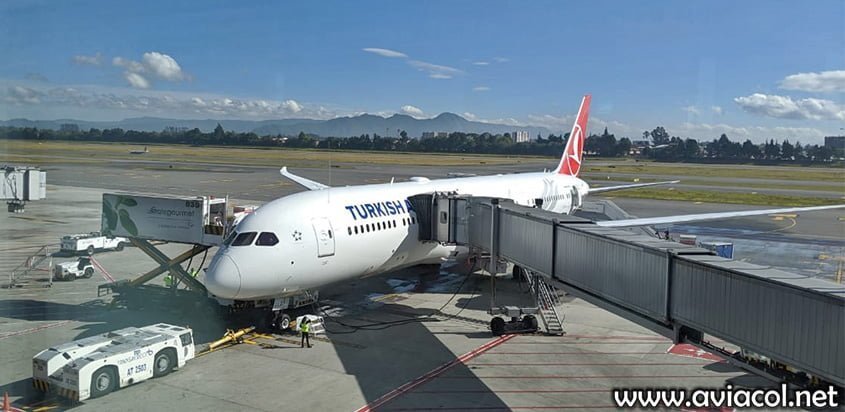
[{"x": 325, "y": 236}]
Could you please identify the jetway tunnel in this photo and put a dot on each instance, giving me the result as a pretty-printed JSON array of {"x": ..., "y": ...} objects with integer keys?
[{"x": 680, "y": 291}]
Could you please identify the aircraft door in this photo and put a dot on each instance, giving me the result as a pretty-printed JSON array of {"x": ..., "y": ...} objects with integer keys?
[{"x": 325, "y": 236}]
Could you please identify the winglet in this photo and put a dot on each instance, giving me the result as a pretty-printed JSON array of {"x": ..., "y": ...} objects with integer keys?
[
  {"x": 306, "y": 183},
  {"x": 570, "y": 162}
]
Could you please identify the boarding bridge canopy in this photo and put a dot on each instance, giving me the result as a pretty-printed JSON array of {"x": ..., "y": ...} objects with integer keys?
[{"x": 678, "y": 290}]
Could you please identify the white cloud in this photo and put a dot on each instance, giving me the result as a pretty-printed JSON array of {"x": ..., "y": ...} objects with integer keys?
[
  {"x": 385, "y": 52},
  {"x": 136, "y": 80},
  {"x": 94, "y": 60},
  {"x": 435, "y": 71},
  {"x": 481, "y": 89},
  {"x": 469, "y": 116},
  {"x": 717, "y": 110},
  {"x": 100, "y": 102},
  {"x": 292, "y": 105},
  {"x": 163, "y": 66},
  {"x": 784, "y": 107},
  {"x": 825, "y": 82},
  {"x": 481, "y": 63},
  {"x": 412, "y": 111},
  {"x": 23, "y": 95},
  {"x": 152, "y": 64},
  {"x": 501, "y": 59},
  {"x": 130, "y": 65},
  {"x": 691, "y": 110}
]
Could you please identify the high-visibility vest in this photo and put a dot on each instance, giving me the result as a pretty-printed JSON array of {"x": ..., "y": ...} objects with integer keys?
[{"x": 305, "y": 327}]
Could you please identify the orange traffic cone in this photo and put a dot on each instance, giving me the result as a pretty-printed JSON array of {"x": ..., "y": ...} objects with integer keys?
[{"x": 6, "y": 406}]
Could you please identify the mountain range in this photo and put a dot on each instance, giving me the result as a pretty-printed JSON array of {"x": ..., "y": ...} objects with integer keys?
[{"x": 338, "y": 127}]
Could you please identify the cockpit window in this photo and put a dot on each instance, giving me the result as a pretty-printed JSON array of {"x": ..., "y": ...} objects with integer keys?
[
  {"x": 244, "y": 239},
  {"x": 266, "y": 239},
  {"x": 230, "y": 238}
]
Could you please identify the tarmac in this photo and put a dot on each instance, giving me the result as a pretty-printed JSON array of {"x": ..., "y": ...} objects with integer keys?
[{"x": 443, "y": 357}]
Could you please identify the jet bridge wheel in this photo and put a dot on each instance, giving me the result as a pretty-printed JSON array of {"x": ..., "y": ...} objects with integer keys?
[{"x": 518, "y": 273}]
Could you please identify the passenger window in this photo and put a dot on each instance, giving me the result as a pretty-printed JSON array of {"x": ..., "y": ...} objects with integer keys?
[
  {"x": 356, "y": 230},
  {"x": 244, "y": 239},
  {"x": 349, "y": 229},
  {"x": 330, "y": 234},
  {"x": 266, "y": 239}
]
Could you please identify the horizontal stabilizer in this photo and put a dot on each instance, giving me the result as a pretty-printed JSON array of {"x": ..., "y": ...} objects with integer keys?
[
  {"x": 632, "y": 186},
  {"x": 306, "y": 183},
  {"x": 648, "y": 221}
]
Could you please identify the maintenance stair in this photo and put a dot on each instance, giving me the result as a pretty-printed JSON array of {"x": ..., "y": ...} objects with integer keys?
[
  {"x": 22, "y": 274},
  {"x": 547, "y": 299}
]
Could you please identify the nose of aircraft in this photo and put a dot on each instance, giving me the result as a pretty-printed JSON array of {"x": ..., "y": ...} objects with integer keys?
[{"x": 223, "y": 279}]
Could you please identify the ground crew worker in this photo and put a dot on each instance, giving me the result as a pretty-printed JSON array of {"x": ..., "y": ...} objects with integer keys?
[{"x": 305, "y": 327}]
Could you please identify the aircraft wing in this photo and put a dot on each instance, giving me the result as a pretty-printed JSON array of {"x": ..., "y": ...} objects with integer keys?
[
  {"x": 306, "y": 183},
  {"x": 633, "y": 186},
  {"x": 648, "y": 221}
]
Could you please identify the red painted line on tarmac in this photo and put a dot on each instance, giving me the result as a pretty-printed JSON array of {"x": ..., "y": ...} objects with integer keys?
[
  {"x": 581, "y": 342},
  {"x": 590, "y": 364},
  {"x": 690, "y": 351},
  {"x": 575, "y": 353},
  {"x": 33, "y": 330},
  {"x": 579, "y": 377},
  {"x": 434, "y": 373},
  {"x": 621, "y": 337}
]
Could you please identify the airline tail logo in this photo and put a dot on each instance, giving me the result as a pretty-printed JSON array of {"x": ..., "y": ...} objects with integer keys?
[{"x": 570, "y": 163}]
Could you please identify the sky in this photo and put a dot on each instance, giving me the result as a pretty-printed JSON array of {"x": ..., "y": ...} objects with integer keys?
[{"x": 751, "y": 69}]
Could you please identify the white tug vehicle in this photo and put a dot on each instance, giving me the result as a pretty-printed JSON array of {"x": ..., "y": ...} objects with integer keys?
[{"x": 94, "y": 366}]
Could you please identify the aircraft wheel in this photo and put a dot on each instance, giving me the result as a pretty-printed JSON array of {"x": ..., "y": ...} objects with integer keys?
[
  {"x": 497, "y": 326},
  {"x": 281, "y": 323}
]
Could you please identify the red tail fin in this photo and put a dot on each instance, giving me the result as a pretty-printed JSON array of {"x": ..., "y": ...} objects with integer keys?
[{"x": 570, "y": 162}]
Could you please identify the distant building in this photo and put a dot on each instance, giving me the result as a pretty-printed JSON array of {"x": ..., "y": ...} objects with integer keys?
[
  {"x": 175, "y": 129},
  {"x": 431, "y": 135},
  {"x": 837, "y": 143},
  {"x": 520, "y": 136},
  {"x": 69, "y": 127}
]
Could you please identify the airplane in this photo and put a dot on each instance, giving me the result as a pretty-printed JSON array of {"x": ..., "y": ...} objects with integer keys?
[{"x": 307, "y": 240}]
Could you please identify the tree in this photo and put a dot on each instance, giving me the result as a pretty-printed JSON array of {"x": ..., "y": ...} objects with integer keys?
[
  {"x": 787, "y": 150},
  {"x": 218, "y": 131},
  {"x": 659, "y": 136},
  {"x": 750, "y": 150}
]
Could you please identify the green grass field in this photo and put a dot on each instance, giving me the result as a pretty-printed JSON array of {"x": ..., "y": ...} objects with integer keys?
[
  {"x": 89, "y": 152},
  {"x": 706, "y": 196},
  {"x": 174, "y": 158},
  {"x": 814, "y": 174}
]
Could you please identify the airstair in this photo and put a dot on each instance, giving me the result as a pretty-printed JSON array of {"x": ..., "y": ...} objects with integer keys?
[
  {"x": 22, "y": 274},
  {"x": 546, "y": 297}
]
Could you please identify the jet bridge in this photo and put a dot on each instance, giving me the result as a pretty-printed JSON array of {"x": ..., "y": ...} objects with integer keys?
[{"x": 790, "y": 322}]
